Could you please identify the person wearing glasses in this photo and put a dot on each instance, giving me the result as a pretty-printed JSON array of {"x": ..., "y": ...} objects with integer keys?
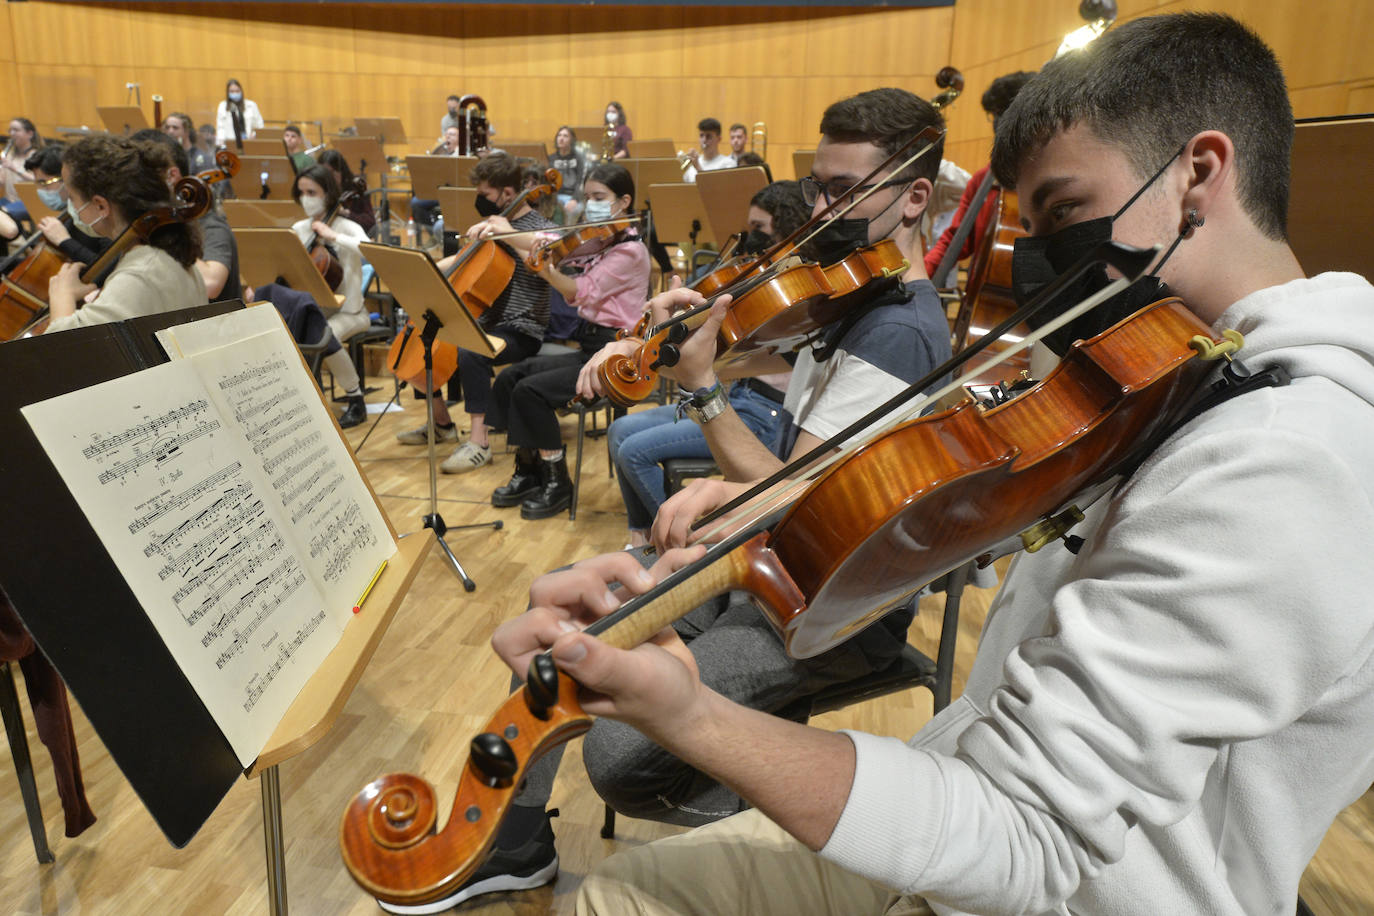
[
  {"x": 887, "y": 344},
  {"x": 46, "y": 168}
]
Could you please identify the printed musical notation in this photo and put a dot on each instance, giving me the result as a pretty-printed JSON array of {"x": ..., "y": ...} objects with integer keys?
[{"x": 237, "y": 517}]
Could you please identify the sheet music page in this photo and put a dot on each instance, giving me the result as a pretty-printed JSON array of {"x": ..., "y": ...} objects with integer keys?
[
  {"x": 191, "y": 525},
  {"x": 223, "y": 492}
]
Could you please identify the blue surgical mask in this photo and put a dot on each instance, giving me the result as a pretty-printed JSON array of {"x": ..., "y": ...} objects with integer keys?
[
  {"x": 51, "y": 199},
  {"x": 598, "y": 210},
  {"x": 78, "y": 223},
  {"x": 236, "y": 96}
]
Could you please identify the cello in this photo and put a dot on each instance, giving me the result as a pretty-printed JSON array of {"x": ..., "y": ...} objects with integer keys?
[
  {"x": 24, "y": 289},
  {"x": 479, "y": 276},
  {"x": 1007, "y": 466}
]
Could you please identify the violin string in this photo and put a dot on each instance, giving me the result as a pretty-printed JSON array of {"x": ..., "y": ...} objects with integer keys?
[{"x": 770, "y": 500}]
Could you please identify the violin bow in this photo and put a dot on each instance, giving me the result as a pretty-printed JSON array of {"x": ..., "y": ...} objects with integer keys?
[{"x": 1130, "y": 261}]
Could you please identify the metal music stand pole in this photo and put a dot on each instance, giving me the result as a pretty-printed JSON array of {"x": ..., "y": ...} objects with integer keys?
[{"x": 434, "y": 521}]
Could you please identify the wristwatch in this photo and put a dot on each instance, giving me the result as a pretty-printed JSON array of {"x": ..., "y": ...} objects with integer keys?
[{"x": 704, "y": 404}]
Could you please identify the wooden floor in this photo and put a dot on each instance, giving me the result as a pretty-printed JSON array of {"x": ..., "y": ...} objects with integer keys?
[{"x": 431, "y": 685}]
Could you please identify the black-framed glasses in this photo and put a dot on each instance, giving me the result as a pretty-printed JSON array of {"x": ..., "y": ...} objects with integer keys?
[{"x": 812, "y": 190}]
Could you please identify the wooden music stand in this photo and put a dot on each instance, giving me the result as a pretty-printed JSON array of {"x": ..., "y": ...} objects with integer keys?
[
  {"x": 459, "y": 208},
  {"x": 269, "y": 133},
  {"x": 28, "y": 193},
  {"x": 529, "y": 149},
  {"x": 430, "y": 173},
  {"x": 266, "y": 254},
  {"x": 591, "y": 136},
  {"x": 648, "y": 172},
  {"x": 663, "y": 148},
  {"x": 1330, "y": 194},
  {"x": 280, "y": 177},
  {"x": 262, "y": 146},
  {"x": 679, "y": 215},
  {"x": 726, "y": 194},
  {"x": 390, "y": 130},
  {"x": 801, "y": 162},
  {"x": 122, "y": 119},
  {"x": 259, "y": 214},
  {"x": 364, "y": 155}
]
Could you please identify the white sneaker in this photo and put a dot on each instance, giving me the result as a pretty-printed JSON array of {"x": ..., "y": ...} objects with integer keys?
[
  {"x": 468, "y": 457},
  {"x": 420, "y": 436}
]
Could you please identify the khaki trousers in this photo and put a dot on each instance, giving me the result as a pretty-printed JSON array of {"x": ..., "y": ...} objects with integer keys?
[{"x": 743, "y": 864}]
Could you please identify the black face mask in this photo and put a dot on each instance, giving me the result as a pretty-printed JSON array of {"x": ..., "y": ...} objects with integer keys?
[
  {"x": 836, "y": 240},
  {"x": 755, "y": 241},
  {"x": 1037, "y": 260},
  {"x": 486, "y": 206}
]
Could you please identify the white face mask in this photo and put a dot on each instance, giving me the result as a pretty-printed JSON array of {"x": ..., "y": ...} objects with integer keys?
[
  {"x": 313, "y": 206},
  {"x": 612, "y": 116}
]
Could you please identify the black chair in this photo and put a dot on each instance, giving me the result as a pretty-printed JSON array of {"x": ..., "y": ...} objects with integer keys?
[
  {"x": 912, "y": 668},
  {"x": 23, "y": 763},
  {"x": 677, "y": 470},
  {"x": 596, "y": 409}
]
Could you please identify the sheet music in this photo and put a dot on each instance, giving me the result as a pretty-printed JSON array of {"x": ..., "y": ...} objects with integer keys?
[{"x": 224, "y": 495}]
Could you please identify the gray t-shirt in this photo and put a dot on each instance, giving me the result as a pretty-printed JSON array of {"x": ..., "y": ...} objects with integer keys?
[{"x": 218, "y": 241}]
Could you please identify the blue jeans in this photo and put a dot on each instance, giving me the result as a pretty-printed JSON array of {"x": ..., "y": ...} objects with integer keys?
[{"x": 640, "y": 442}]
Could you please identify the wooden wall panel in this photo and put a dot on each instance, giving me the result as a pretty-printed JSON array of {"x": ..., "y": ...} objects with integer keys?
[{"x": 538, "y": 67}]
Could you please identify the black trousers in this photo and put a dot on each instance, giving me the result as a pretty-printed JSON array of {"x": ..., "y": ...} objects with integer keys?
[{"x": 526, "y": 396}]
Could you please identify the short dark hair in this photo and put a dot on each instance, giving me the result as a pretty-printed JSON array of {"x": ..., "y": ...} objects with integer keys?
[
  {"x": 48, "y": 160},
  {"x": 295, "y": 129},
  {"x": 709, "y": 125},
  {"x": 499, "y": 171},
  {"x": 453, "y": 98},
  {"x": 1000, "y": 92},
  {"x": 333, "y": 159},
  {"x": 178, "y": 153},
  {"x": 323, "y": 177},
  {"x": 783, "y": 201},
  {"x": 751, "y": 158},
  {"x": 738, "y": 126},
  {"x": 614, "y": 176},
  {"x": 888, "y": 118},
  {"x": 1148, "y": 86}
]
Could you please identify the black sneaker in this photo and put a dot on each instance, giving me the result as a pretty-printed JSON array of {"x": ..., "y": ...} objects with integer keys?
[{"x": 533, "y": 864}]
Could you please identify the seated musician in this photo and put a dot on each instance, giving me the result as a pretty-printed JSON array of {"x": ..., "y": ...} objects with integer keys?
[
  {"x": 1167, "y": 721},
  {"x": 892, "y": 341},
  {"x": 318, "y": 194},
  {"x": 640, "y": 442},
  {"x": 24, "y": 142},
  {"x": 518, "y": 316},
  {"x": 179, "y": 127},
  {"x": 357, "y": 206},
  {"x": 111, "y": 181},
  {"x": 219, "y": 260},
  {"x": 706, "y": 155},
  {"x": 572, "y": 165},
  {"x": 46, "y": 167},
  {"x": 739, "y": 139},
  {"x": 996, "y": 100},
  {"x": 609, "y": 297},
  {"x": 295, "y": 144}
]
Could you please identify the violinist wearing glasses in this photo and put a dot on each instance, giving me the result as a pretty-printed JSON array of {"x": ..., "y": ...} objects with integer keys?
[{"x": 891, "y": 343}]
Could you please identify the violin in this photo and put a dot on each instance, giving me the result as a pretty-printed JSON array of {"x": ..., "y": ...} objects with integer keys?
[
  {"x": 479, "y": 276},
  {"x": 988, "y": 296},
  {"x": 920, "y": 500},
  {"x": 581, "y": 241},
  {"x": 24, "y": 289},
  {"x": 322, "y": 254}
]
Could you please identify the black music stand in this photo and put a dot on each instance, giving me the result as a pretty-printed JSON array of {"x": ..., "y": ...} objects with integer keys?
[{"x": 416, "y": 282}]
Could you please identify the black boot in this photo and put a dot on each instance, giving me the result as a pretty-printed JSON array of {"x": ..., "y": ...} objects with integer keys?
[
  {"x": 555, "y": 490},
  {"x": 354, "y": 413},
  {"x": 524, "y": 482}
]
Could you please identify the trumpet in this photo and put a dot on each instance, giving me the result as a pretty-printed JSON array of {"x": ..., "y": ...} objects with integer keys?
[
  {"x": 608, "y": 143},
  {"x": 758, "y": 140}
]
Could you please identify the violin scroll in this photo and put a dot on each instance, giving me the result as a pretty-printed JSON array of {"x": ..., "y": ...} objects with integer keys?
[{"x": 388, "y": 835}]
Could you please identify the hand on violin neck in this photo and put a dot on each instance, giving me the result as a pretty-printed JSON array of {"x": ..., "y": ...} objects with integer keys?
[
  {"x": 697, "y": 354},
  {"x": 588, "y": 381},
  {"x": 321, "y": 229}
]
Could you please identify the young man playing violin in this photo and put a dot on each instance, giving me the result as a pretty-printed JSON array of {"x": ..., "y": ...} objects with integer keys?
[
  {"x": 518, "y": 316},
  {"x": 1169, "y": 719},
  {"x": 887, "y": 343}
]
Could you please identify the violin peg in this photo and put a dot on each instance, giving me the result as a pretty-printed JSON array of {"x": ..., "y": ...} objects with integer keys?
[
  {"x": 541, "y": 685},
  {"x": 668, "y": 355},
  {"x": 494, "y": 759}
]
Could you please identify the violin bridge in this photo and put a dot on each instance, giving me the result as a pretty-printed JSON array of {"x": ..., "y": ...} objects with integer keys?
[{"x": 1046, "y": 532}]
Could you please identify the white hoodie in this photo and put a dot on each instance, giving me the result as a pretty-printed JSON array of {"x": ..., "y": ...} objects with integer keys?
[{"x": 1169, "y": 721}]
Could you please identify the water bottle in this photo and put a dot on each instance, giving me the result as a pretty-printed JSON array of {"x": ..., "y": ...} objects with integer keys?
[{"x": 410, "y": 233}]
